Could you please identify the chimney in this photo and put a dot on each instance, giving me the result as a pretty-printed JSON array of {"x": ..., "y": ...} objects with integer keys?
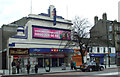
[
  {"x": 95, "y": 19},
  {"x": 104, "y": 16}
]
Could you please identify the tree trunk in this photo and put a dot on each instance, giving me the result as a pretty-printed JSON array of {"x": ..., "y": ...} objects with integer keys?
[
  {"x": 82, "y": 54},
  {"x": 82, "y": 59}
]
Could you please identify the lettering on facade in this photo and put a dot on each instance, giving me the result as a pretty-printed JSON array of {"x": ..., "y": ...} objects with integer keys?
[{"x": 18, "y": 51}]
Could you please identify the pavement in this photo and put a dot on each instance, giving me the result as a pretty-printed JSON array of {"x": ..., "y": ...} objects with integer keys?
[{"x": 6, "y": 73}]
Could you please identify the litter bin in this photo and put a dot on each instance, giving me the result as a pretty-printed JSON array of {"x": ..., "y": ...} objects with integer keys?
[
  {"x": 47, "y": 69},
  {"x": 63, "y": 66}
]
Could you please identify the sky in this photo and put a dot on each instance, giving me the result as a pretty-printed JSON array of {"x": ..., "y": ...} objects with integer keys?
[{"x": 12, "y": 10}]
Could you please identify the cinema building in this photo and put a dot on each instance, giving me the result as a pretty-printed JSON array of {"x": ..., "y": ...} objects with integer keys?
[{"x": 43, "y": 37}]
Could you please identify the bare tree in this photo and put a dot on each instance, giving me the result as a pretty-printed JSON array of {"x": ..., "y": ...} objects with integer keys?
[{"x": 80, "y": 35}]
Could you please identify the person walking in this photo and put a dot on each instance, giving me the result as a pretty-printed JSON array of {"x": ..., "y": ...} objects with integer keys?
[
  {"x": 36, "y": 68},
  {"x": 18, "y": 67},
  {"x": 28, "y": 68},
  {"x": 13, "y": 67},
  {"x": 74, "y": 65},
  {"x": 71, "y": 65}
]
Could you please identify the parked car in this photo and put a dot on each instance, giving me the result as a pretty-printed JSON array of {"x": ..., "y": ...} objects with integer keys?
[{"x": 91, "y": 66}]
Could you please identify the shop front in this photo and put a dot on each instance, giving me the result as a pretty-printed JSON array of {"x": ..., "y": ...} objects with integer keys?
[
  {"x": 19, "y": 55},
  {"x": 77, "y": 57},
  {"x": 118, "y": 59},
  {"x": 56, "y": 57},
  {"x": 98, "y": 58},
  {"x": 112, "y": 58}
]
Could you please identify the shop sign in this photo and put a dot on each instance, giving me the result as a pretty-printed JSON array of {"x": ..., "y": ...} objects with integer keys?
[
  {"x": 50, "y": 50},
  {"x": 18, "y": 51},
  {"x": 111, "y": 55},
  {"x": 51, "y": 33},
  {"x": 97, "y": 55}
]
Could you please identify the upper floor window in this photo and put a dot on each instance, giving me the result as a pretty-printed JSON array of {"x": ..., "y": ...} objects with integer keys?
[
  {"x": 118, "y": 37},
  {"x": 110, "y": 36},
  {"x": 118, "y": 28},
  {"x": 110, "y": 28}
]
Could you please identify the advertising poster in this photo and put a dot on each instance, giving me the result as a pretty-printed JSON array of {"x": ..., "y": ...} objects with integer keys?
[{"x": 51, "y": 33}]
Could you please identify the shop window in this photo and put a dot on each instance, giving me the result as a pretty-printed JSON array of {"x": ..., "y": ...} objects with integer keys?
[
  {"x": 61, "y": 61},
  {"x": 54, "y": 62},
  {"x": 112, "y": 60}
]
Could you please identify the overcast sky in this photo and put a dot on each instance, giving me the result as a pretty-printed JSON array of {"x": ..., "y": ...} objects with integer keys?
[{"x": 12, "y": 10}]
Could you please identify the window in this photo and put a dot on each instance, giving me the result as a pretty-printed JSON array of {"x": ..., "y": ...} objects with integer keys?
[
  {"x": 118, "y": 46},
  {"x": 109, "y": 50},
  {"x": 94, "y": 50},
  {"x": 90, "y": 49},
  {"x": 118, "y": 28},
  {"x": 110, "y": 28},
  {"x": 118, "y": 37},
  {"x": 101, "y": 50},
  {"x": 104, "y": 50},
  {"x": 110, "y": 36},
  {"x": 98, "y": 49}
]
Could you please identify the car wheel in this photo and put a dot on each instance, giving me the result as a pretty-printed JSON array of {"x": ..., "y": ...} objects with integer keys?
[
  {"x": 101, "y": 69},
  {"x": 90, "y": 69}
]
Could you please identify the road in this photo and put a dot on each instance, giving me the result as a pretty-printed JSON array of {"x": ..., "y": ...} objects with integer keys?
[{"x": 105, "y": 73}]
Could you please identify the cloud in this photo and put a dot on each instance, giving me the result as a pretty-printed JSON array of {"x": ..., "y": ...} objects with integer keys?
[{"x": 12, "y": 10}]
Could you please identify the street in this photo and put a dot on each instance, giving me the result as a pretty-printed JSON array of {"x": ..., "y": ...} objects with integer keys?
[{"x": 105, "y": 73}]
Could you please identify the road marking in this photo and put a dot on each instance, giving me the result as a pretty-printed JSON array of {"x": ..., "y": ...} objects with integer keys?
[{"x": 112, "y": 73}]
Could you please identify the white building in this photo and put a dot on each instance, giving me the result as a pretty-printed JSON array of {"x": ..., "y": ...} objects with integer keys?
[
  {"x": 43, "y": 37},
  {"x": 100, "y": 54}
]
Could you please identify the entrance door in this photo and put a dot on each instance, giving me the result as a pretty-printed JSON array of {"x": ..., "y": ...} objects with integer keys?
[
  {"x": 54, "y": 62},
  {"x": 61, "y": 60},
  {"x": 40, "y": 62}
]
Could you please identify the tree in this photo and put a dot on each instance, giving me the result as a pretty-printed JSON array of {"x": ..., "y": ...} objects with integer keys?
[{"x": 80, "y": 35}]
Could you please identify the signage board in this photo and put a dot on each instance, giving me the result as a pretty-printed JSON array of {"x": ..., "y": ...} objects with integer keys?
[
  {"x": 50, "y": 50},
  {"x": 97, "y": 55},
  {"x": 51, "y": 33},
  {"x": 18, "y": 51}
]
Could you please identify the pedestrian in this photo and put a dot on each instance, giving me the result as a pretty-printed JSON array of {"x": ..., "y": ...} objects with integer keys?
[
  {"x": 13, "y": 63},
  {"x": 36, "y": 68},
  {"x": 74, "y": 65},
  {"x": 18, "y": 67},
  {"x": 71, "y": 64},
  {"x": 13, "y": 67},
  {"x": 28, "y": 67}
]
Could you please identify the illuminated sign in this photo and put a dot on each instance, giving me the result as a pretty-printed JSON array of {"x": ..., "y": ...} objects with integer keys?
[{"x": 51, "y": 33}]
